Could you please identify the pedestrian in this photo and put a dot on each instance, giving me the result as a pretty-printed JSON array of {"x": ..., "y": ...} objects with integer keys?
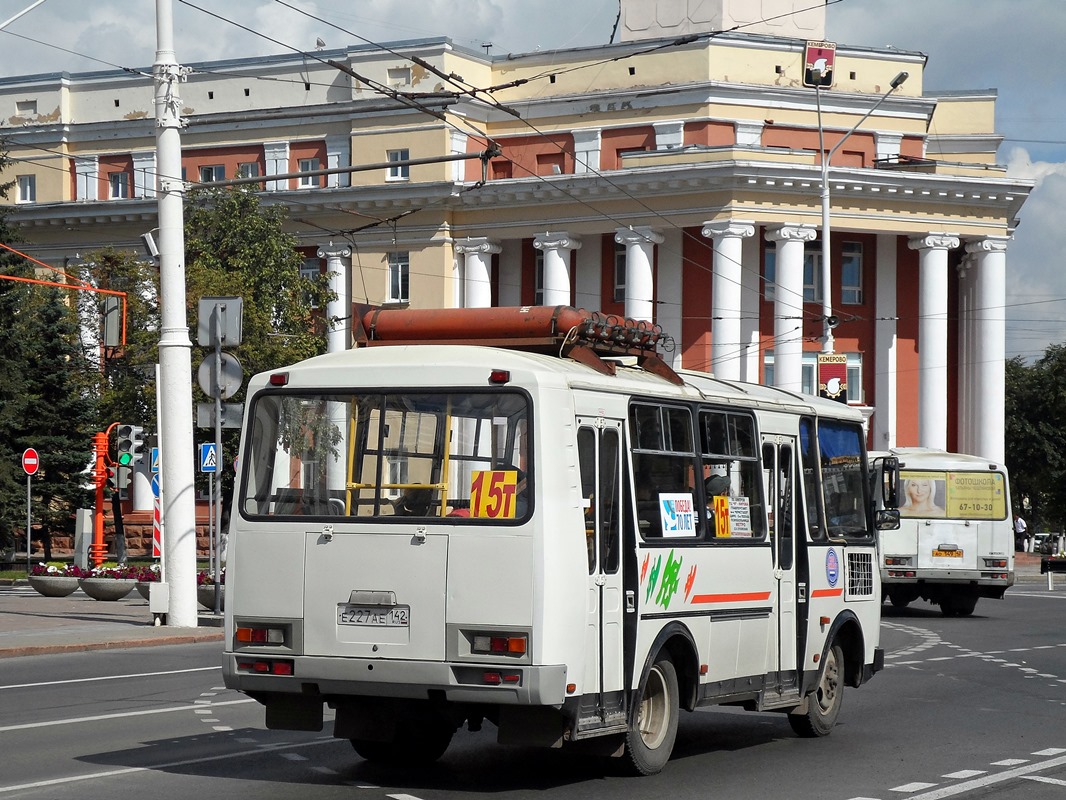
[{"x": 1021, "y": 535}]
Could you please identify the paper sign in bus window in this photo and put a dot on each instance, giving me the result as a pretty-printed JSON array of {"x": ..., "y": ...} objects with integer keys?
[
  {"x": 493, "y": 493},
  {"x": 678, "y": 513}
]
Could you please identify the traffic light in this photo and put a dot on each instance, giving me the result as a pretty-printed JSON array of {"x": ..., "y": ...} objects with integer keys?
[
  {"x": 118, "y": 478},
  {"x": 130, "y": 445}
]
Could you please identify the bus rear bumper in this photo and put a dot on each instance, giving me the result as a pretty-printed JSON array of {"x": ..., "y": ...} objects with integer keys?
[{"x": 491, "y": 684}]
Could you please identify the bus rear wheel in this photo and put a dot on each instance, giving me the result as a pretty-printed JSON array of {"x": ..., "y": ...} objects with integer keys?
[
  {"x": 414, "y": 744},
  {"x": 824, "y": 703},
  {"x": 653, "y": 722}
]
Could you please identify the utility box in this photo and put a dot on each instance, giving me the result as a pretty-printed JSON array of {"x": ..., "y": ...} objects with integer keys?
[
  {"x": 83, "y": 537},
  {"x": 159, "y": 601}
]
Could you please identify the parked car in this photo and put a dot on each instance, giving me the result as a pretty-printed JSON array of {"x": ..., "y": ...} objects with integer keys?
[{"x": 1045, "y": 543}]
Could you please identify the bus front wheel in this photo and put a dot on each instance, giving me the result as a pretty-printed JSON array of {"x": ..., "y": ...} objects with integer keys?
[
  {"x": 823, "y": 705},
  {"x": 653, "y": 722}
]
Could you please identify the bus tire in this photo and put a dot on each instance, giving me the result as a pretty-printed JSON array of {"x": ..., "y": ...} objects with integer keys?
[
  {"x": 824, "y": 703},
  {"x": 414, "y": 745},
  {"x": 653, "y": 720}
]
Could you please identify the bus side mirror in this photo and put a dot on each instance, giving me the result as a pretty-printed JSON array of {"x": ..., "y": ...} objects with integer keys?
[
  {"x": 890, "y": 484},
  {"x": 887, "y": 519}
]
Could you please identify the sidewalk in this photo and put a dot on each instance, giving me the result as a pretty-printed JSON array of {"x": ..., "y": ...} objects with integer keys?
[{"x": 31, "y": 624}]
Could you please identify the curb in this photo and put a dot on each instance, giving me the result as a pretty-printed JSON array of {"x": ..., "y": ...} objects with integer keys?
[{"x": 49, "y": 649}]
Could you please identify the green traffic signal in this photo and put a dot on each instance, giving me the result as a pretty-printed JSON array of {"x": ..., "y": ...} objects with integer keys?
[{"x": 125, "y": 459}]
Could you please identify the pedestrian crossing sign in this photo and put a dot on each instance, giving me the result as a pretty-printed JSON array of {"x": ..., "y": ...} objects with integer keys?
[{"x": 209, "y": 458}]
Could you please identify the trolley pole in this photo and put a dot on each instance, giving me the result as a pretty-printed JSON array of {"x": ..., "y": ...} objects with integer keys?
[{"x": 175, "y": 347}]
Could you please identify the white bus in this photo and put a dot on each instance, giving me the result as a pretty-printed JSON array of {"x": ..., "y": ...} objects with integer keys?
[
  {"x": 556, "y": 533},
  {"x": 955, "y": 542}
]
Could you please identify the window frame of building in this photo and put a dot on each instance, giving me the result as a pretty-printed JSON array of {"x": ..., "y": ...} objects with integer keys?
[
  {"x": 399, "y": 172},
  {"x": 851, "y": 293},
  {"x": 248, "y": 169},
  {"x": 310, "y": 269},
  {"x": 212, "y": 173},
  {"x": 538, "y": 277},
  {"x": 398, "y": 288},
  {"x": 619, "y": 292},
  {"x": 812, "y": 276},
  {"x": 309, "y": 181},
  {"x": 119, "y": 185},
  {"x": 769, "y": 271},
  {"x": 27, "y": 188}
]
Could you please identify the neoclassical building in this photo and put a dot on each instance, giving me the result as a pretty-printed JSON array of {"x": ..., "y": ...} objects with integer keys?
[{"x": 675, "y": 176}]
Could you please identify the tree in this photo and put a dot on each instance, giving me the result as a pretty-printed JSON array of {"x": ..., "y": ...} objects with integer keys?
[
  {"x": 47, "y": 397},
  {"x": 236, "y": 246},
  {"x": 1035, "y": 434}
]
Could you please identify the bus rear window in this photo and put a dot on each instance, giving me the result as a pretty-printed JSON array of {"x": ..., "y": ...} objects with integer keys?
[
  {"x": 388, "y": 455},
  {"x": 954, "y": 494}
]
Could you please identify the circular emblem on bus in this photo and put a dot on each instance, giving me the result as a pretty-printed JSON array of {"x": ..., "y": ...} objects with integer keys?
[{"x": 832, "y": 566}]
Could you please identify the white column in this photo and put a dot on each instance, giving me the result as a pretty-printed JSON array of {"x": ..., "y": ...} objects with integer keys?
[
  {"x": 788, "y": 304},
  {"x": 640, "y": 260},
  {"x": 933, "y": 337},
  {"x": 669, "y": 135},
  {"x": 990, "y": 333},
  {"x": 750, "y": 308},
  {"x": 557, "y": 248},
  {"x": 276, "y": 158},
  {"x": 339, "y": 310},
  {"x": 477, "y": 253},
  {"x": 727, "y": 279},
  {"x": 885, "y": 346}
]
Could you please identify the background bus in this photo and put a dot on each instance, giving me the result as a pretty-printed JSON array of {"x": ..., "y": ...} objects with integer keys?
[
  {"x": 558, "y": 535},
  {"x": 955, "y": 542}
]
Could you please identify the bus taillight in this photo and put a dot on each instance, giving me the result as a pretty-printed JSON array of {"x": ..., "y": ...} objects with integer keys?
[
  {"x": 266, "y": 666},
  {"x": 513, "y": 645},
  {"x": 261, "y": 636}
]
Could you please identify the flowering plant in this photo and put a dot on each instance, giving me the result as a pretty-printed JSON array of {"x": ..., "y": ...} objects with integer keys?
[
  {"x": 146, "y": 573},
  {"x": 206, "y": 577},
  {"x": 112, "y": 571},
  {"x": 57, "y": 569}
]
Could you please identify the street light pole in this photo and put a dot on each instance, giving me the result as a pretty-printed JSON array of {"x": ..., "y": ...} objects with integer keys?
[{"x": 828, "y": 320}]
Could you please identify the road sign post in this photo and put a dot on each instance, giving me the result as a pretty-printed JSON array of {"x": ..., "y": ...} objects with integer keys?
[{"x": 31, "y": 462}]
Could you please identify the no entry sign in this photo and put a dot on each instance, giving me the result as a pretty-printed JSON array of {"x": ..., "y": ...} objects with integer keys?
[{"x": 30, "y": 461}]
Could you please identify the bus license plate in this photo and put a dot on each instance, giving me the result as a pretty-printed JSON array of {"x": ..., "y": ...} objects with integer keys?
[
  {"x": 947, "y": 554},
  {"x": 374, "y": 616}
]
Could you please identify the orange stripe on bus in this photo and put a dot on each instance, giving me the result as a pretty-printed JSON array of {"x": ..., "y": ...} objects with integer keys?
[
  {"x": 827, "y": 593},
  {"x": 730, "y": 598}
]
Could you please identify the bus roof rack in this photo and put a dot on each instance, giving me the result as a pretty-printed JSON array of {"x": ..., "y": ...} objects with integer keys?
[{"x": 589, "y": 337}]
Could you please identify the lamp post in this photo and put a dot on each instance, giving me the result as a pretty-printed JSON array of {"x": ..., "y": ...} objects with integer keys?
[{"x": 828, "y": 320}]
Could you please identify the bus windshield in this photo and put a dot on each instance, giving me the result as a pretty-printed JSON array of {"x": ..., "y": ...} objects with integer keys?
[{"x": 388, "y": 455}]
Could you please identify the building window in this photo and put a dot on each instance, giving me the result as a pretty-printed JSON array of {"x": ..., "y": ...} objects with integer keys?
[
  {"x": 25, "y": 108},
  {"x": 769, "y": 272},
  {"x": 210, "y": 174},
  {"x": 851, "y": 274},
  {"x": 120, "y": 185},
  {"x": 399, "y": 278},
  {"x": 399, "y": 172},
  {"x": 310, "y": 269},
  {"x": 619, "y": 295},
  {"x": 310, "y": 181},
  {"x": 551, "y": 164},
  {"x": 809, "y": 378},
  {"x": 812, "y": 277},
  {"x": 27, "y": 188},
  {"x": 248, "y": 169},
  {"x": 538, "y": 278}
]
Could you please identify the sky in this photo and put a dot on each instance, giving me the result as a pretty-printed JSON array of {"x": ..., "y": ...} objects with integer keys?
[{"x": 971, "y": 44}]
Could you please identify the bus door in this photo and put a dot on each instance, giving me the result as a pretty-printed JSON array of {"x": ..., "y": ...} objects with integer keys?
[
  {"x": 779, "y": 464},
  {"x": 600, "y": 457}
]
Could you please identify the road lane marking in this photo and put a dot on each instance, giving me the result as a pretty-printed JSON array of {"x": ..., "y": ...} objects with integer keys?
[
  {"x": 122, "y": 715},
  {"x": 1042, "y": 779},
  {"x": 109, "y": 678},
  {"x": 964, "y": 773},
  {"x": 990, "y": 780}
]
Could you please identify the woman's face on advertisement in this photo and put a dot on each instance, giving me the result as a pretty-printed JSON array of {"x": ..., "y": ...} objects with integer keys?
[{"x": 919, "y": 490}]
